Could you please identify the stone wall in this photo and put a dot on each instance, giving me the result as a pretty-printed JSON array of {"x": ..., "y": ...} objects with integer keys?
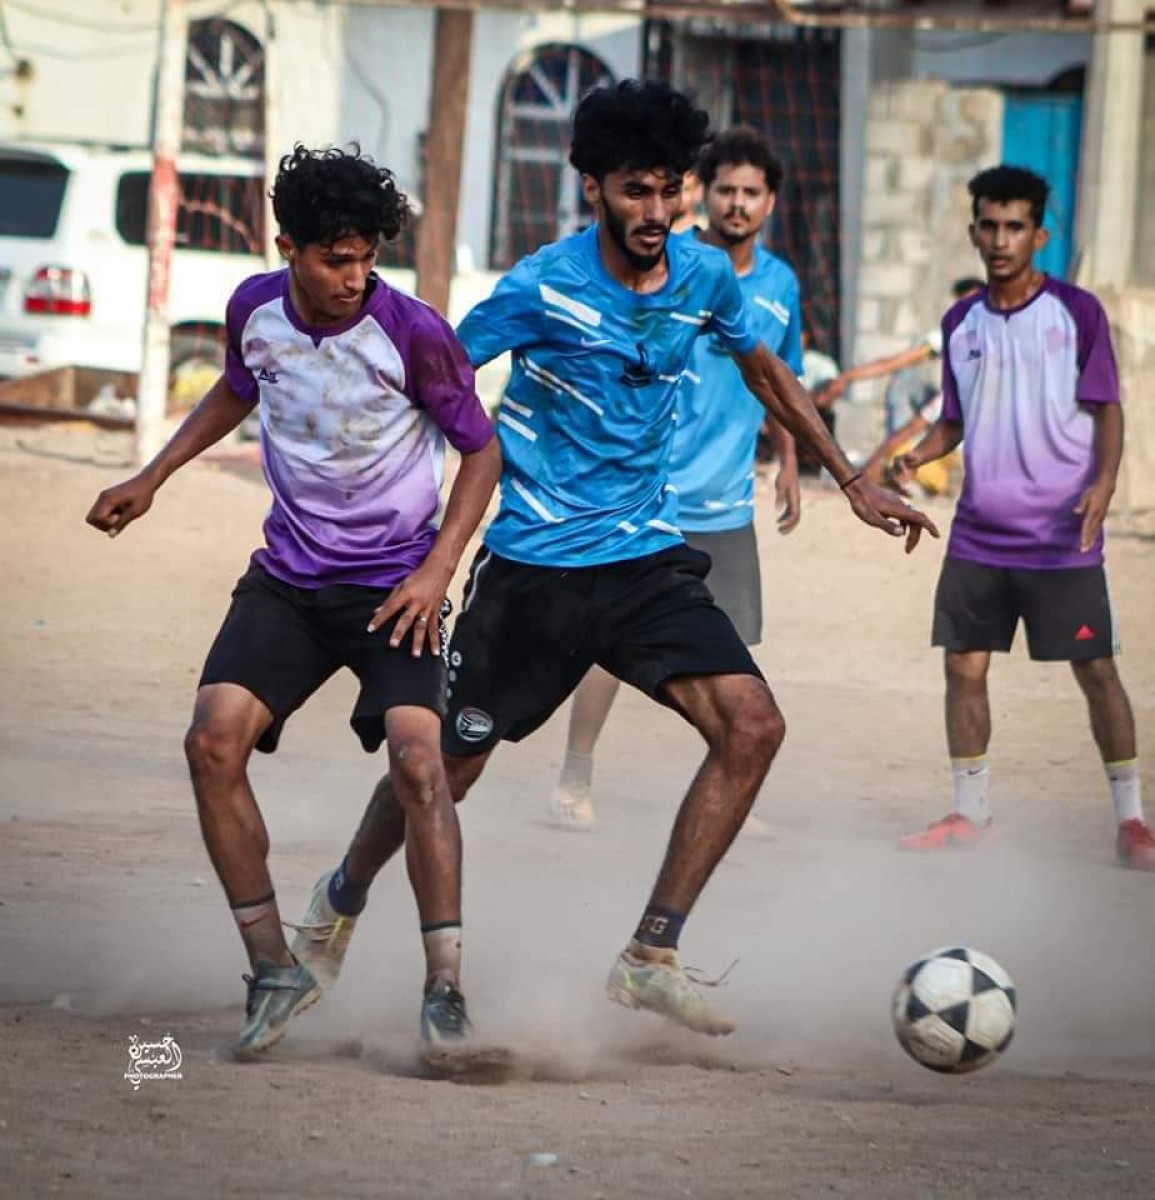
[{"x": 924, "y": 140}]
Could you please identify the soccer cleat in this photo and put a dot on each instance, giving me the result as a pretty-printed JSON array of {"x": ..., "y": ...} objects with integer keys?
[
  {"x": 275, "y": 995},
  {"x": 571, "y": 807},
  {"x": 322, "y": 936},
  {"x": 444, "y": 1019},
  {"x": 661, "y": 985},
  {"x": 953, "y": 830},
  {"x": 1135, "y": 845}
]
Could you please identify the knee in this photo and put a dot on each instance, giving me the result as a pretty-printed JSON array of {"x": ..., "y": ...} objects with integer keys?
[
  {"x": 965, "y": 671},
  {"x": 212, "y": 748},
  {"x": 1096, "y": 676},
  {"x": 753, "y": 734},
  {"x": 417, "y": 770}
]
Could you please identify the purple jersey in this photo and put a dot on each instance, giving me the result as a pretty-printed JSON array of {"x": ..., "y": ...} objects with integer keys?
[
  {"x": 353, "y": 425},
  {"x": 1024, "y": 382}
]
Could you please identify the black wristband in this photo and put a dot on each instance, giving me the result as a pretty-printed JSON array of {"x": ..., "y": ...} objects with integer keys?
[{"x": 853, "y": 479}]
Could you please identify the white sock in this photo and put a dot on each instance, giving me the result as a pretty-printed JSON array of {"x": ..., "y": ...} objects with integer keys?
[
  {"x": 972, "y": 781},
  {"x": 442, "y": 952},
  {"x": 1125, "y": 795}
]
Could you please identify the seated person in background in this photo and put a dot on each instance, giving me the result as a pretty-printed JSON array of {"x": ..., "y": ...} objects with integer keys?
[{"x": 900, "y": 401}]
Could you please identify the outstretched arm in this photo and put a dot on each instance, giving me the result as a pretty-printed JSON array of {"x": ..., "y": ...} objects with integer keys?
[
  {"x": 787, "y": 401},
  {"x": 943, "y": 437},
  {"x": 418, "y": 598},
  {"x": 220, "y": 412},
  {"x": 880, "y": 367}
]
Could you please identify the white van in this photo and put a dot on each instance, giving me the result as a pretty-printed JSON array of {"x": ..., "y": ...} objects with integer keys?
[{"x": 74, "y": 265}]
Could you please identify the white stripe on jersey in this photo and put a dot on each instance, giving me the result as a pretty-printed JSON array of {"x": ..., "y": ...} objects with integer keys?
[
  {"x": 627, "y": 527},
  {"x": 686, "y": 319},
  {"x": 517, "y": 427},
  {"x": 551, "y": 381},
  {"x": 575, "y": 308},
  {"x": 664, "y": 526},
  {"x": 535, "y": 503},
  {"x": 521, "y": 409}
]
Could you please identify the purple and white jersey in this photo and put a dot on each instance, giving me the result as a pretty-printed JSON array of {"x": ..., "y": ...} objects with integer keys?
[
  {"x": 1023, "y": 383},
  {"x": 353, "y": 425}
]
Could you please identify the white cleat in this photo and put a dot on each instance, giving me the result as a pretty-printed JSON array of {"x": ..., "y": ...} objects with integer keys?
[
  {"x": 661, "y": 985},
  {"x": 323, "y": 936}
]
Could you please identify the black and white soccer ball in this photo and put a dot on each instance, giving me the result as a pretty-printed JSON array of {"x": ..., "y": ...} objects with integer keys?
[{"x": 954, "y": 1010}]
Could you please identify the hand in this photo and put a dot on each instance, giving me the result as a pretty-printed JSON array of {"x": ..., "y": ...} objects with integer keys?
[
  {"x": 117, "y": 507},
  {"x": 788, "y": 496},
  {"x": 886, "y": 512},
  {"x": 835, "y": 389},
  {"x": 1092, "y": 507},
  {"x": 418, "y": 599}
]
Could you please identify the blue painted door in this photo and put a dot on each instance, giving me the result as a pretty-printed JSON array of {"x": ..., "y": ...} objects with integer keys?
[{"x": 1041, "y": 131}]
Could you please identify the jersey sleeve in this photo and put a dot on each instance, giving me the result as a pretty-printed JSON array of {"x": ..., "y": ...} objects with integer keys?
[
  {"x": 728, "y": 318},
  {"x": 442, "y": 383},
  {"x": 507, "y": 319},
  {"x": 1098, "y": 372},
  {"x": 237, "y": 375},
  {"x": 951, "y": 405}
]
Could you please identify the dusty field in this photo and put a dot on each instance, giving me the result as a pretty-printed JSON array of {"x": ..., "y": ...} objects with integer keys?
[{"x": 112, "y": 924}]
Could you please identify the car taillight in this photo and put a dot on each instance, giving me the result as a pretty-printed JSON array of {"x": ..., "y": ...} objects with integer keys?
[{"x": 59, "y": 291}]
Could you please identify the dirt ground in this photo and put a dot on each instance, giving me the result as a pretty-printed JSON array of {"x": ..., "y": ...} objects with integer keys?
[{"x": 112, "y": 924}]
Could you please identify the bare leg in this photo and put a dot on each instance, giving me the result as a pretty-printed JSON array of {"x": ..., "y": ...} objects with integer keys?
[
  {"x": 743, "y": 728},
  {"x": 968, "y": 709},
  {"x": 1112, "y": 721},
  {"x": 382, "y": 830},
  {"x": 227, "y": 722},
  {"x": 571, "y": 803}
]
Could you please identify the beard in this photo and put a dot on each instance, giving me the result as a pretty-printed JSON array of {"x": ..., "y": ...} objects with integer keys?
[
  {"x": 734, "y": 239},
  {"x": 616, "y": 228}
]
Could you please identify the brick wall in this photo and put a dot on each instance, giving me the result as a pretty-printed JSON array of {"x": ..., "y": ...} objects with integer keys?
[{"x": 924, "y": 140}]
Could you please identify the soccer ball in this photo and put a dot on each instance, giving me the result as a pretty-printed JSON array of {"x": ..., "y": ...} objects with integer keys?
[{"x": 954, "y": 1010}]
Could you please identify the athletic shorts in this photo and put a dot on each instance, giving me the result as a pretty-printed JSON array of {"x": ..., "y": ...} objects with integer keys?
[
  {"x": 282, "y": 643},
  {"x": 735, "y": 577},
  {"x": 526, "y": 636},
  {"x": 1066, "y": 611}
]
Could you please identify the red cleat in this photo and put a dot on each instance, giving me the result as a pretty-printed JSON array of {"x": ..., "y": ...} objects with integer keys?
[
  {"x": 1135, "y": 845},
  {"x": 955, "y": 830}
]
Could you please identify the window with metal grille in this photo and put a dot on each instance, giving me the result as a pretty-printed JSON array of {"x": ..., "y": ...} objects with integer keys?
[
  {"x": 224, "y": 106},
  {"x": 537, "y": 194}
]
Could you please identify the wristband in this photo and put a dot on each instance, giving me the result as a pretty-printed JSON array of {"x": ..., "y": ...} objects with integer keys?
[{"x": 853, "y": 479}]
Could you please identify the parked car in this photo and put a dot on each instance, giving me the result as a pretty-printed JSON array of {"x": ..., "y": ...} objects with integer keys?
[{"x": 74, "y": 265}]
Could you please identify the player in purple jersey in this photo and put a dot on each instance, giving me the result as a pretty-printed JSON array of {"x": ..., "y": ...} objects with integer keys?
[
  {"x": 1030, "y": 383},
  {"x": 359, "y": 387}
]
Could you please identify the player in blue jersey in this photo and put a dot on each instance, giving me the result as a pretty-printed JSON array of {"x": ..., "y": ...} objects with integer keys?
[
  {"x": 712, "y": 462},
  {"x": 585, "y": 562}
]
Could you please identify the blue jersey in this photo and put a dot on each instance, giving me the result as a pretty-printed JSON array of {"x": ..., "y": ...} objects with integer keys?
[
  {"x": 712, "y": 464},
  {"x": 587, "y": 421}
]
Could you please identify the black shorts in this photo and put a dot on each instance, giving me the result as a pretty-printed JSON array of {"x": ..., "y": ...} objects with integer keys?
[
  {"x": 1066, "y": 611},
  {"x": 735, "y": 577},
  {"x": 282, "y": 643},
  {"x": 526, "y": 636}
]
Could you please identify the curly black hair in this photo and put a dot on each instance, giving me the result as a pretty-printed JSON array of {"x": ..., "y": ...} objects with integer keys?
[
  {"x": 639, "y": 125},
  {"x": 324, "y": 195},
  {"x": 1004, "y": 184},
  {"x": 739, "y": 147}
]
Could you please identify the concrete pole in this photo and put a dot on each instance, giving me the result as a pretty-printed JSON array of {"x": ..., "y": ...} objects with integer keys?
[
  {"x": 437, "y": 237},
  {"x": 163, "y": 196},
  {"x": 1109, "y": 156}
]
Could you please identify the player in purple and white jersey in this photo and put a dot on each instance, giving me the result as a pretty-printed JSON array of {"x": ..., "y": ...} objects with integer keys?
[
  {"x": 1031, "y": 389},
  {"x": 359, "y": 387}
]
